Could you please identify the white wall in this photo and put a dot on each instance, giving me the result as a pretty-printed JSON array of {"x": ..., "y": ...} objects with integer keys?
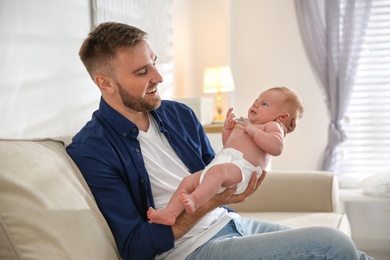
[
  {"x": 265, "y": 50},
  {"x": 268, "y": 51},
  {"x": 201, "y": 39}
]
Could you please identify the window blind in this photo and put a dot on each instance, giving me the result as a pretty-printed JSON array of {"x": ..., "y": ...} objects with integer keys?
[{"x": 367, "y": 122}]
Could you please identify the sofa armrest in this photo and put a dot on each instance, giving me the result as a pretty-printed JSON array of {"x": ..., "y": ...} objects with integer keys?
[{"x": 293, "y": 191}]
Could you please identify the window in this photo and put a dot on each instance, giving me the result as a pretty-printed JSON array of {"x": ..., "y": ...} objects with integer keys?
[
  {"x": 44, "y": 87},
  {"x": 367, "y": 124}
]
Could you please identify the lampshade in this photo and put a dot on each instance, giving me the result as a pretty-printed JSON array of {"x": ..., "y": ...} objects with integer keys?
[{"x": 218, "y": 79}]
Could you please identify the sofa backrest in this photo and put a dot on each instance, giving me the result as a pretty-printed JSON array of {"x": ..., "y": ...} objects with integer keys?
[
  {"x": 293, "y": 191},
  {"x": 46, "y": 209}
]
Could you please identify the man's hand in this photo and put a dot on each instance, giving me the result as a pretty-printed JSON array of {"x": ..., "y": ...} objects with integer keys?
[
  {"x": 289, "y": 128},
  {"x": 224, "y": 198},
  {"x": 227, "y": 197},
  {"x": 186, "y": 221},
  {"x": 293, "y": 125},
  {"x": 252, "y": 187}
]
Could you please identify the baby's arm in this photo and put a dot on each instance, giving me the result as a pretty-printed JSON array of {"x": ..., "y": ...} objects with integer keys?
[
  {"x": 228, "y": 125},
  {"x": 269, "y": 136}
]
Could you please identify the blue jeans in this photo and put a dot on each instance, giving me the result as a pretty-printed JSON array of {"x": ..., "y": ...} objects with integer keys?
[{"x": 250, "y": 239}]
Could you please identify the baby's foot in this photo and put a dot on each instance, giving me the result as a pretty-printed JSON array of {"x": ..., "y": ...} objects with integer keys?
[
  {"x": 160, "y": 216},
  {"x": 189, "y": 201}
]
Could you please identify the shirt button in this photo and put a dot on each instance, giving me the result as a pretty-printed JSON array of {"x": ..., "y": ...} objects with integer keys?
[
  {"x": 124, "y": 134},
  {"x": 137, "y": 150},
  {"x": 142, "y": 181},
  {"x": 134, "y": 130}
]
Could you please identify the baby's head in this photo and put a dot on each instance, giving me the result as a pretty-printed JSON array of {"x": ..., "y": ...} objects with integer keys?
[
  {"x": 292, "y": 105},
  {"x": 277, "y": 104}
]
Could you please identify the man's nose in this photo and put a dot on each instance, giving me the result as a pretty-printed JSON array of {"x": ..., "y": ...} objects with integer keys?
[{"x": 157, "y": 78}]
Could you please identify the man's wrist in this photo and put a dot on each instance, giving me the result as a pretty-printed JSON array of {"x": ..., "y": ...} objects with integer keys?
[{"x": 187, "y": 221}]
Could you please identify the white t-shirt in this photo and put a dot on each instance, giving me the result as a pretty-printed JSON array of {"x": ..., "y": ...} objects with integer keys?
[{"x": 166, "y": 170}]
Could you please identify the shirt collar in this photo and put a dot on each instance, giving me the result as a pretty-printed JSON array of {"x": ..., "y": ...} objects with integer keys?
[{"x": 121, "y": 124}]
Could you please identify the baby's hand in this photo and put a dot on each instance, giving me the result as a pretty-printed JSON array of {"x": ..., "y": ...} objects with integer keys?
[
  {"x": 247, "y": 126},
  {"x": 230, "y": 122}
]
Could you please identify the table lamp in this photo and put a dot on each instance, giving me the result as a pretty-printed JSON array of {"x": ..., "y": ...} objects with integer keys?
[{"x": 218, "y": 80}]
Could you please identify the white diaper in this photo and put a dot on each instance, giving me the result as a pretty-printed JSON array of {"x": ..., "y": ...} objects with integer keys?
[{"x": 231, "y": 155}]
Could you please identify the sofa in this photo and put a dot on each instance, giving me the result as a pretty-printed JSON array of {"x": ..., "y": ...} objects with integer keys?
[{"x": 47, "y": 210}]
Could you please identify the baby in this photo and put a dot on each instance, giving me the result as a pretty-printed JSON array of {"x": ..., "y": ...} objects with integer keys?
[{"x": 248, "y": 147}]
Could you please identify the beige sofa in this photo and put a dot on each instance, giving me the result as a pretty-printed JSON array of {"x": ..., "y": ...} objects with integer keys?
[{"x": 48, "y": 212}]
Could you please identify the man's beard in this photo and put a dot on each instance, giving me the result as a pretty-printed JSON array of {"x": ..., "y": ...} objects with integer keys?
[{"x": 136, "y": 103}]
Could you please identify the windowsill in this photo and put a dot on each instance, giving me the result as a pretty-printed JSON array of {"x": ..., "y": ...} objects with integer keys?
[
  {"x": 352, "y": 181},
  {"x": 357, "y": 195},
  {"x": 348, "y": 195}
]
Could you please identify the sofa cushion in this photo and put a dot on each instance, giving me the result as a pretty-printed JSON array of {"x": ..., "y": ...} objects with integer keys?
[{"x": 47, "y": 210}]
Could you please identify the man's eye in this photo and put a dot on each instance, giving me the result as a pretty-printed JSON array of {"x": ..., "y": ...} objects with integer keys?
[
  {"x": 143, "y": 72},
  {"x": 264, "y": 104}
]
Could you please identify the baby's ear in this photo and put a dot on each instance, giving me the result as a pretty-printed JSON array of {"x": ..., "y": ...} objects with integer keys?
[{"x": 284, "y": 117}]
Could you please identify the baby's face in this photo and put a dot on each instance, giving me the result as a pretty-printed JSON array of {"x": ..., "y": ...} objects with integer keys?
[{"x": 267, "y": 107}]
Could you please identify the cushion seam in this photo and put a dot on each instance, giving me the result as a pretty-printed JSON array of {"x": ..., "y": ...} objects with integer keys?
[{"x": 10, "y": 238}]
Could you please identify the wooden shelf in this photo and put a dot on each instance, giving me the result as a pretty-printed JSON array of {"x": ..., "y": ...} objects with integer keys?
[{"x": 213, "y": 128}]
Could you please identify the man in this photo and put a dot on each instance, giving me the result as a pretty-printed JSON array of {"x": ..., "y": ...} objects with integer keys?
[{"x": 136, "y": 149}]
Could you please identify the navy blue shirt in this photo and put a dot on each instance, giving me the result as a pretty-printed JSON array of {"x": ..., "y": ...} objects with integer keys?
[{"x": 108, "y": 154}]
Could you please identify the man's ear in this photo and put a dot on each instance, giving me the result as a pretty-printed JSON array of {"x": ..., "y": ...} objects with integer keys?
[{"x": 105, "y": 83}]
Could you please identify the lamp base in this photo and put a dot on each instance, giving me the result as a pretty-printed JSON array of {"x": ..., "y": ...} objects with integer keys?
[{"x": 219, "y": 119}]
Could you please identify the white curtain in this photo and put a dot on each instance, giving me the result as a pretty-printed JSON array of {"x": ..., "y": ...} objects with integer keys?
[
  {"x": 44, "y": 88},
  {"x": 332, "y": 32}
]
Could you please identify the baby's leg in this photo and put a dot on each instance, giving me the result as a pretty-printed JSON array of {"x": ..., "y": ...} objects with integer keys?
[
  {"x": 189, "y": 201},
  {"x": 168, "y": 215},
  {"x": 161, "y": 216},
  {"x": 221, "y": 175}
]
